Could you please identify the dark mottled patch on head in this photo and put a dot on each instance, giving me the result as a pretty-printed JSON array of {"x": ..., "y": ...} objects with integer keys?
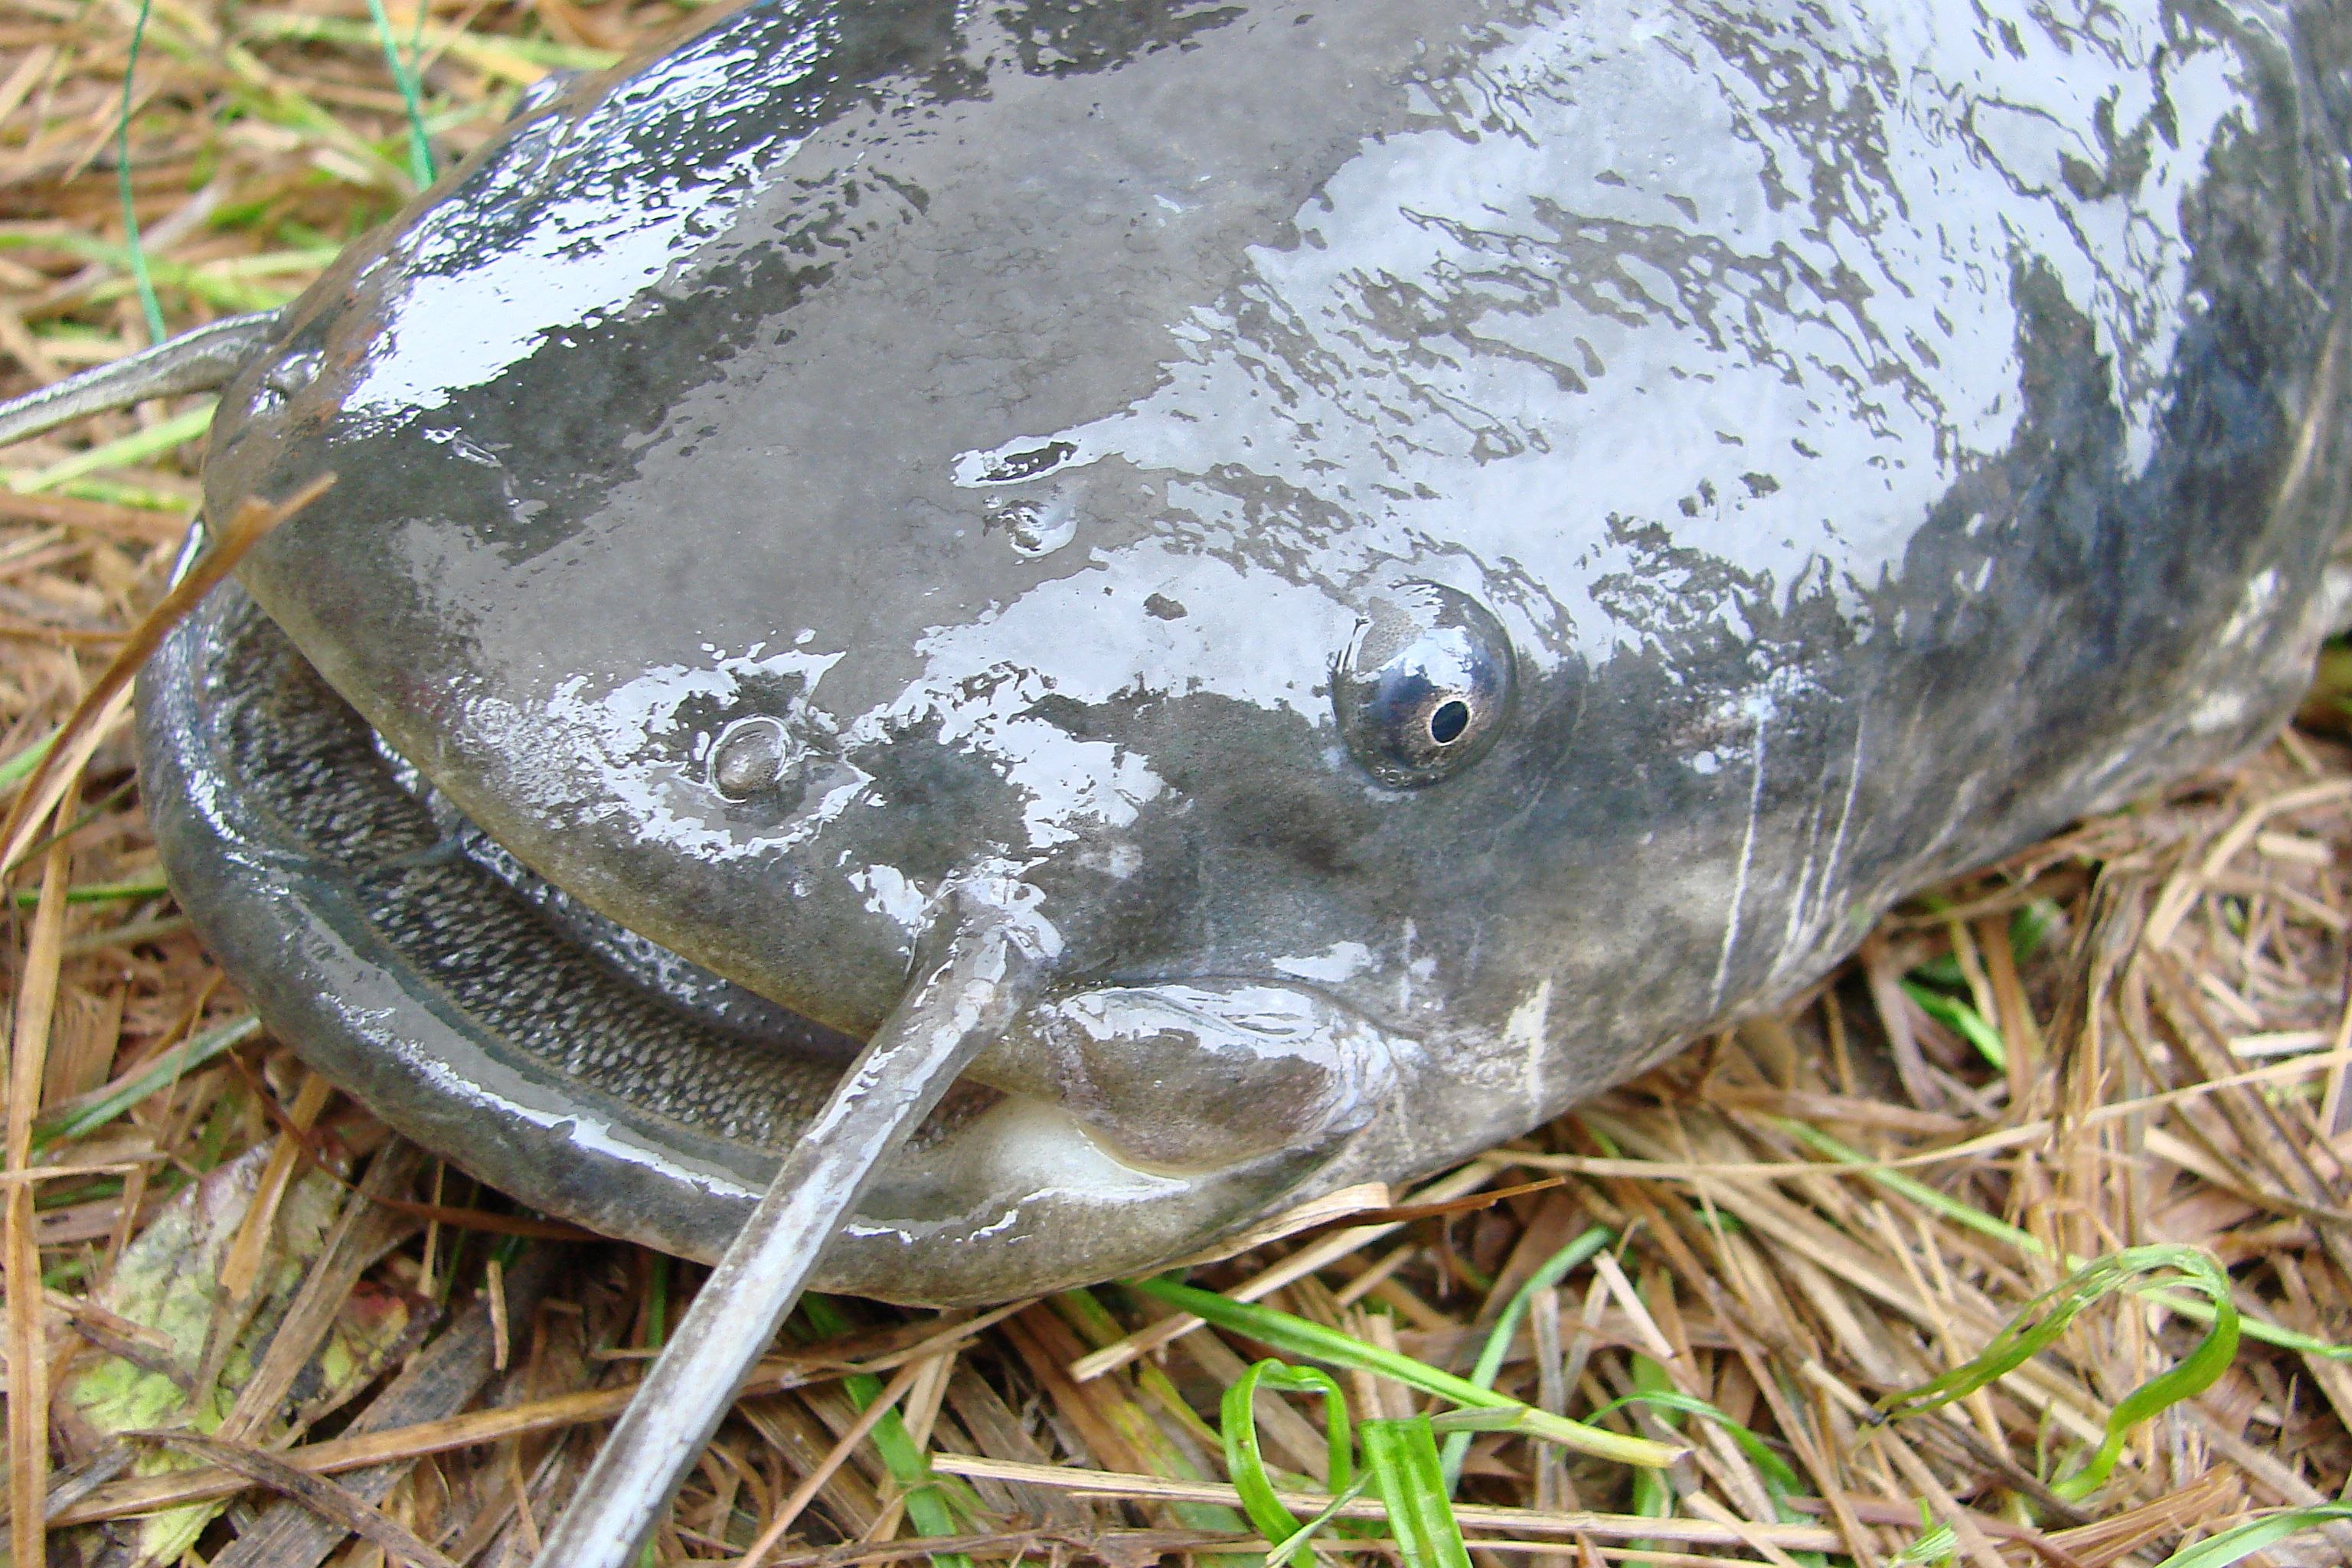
[
  {"x": 1164, "y": 607},
  {"x": 1063, "y": 38},
  {"x": 1294, "y": 826},
  {"x": 1029, "y": 464},
  {"x": 1081, "y": 720},
  {"x": 935, "y": 801}
]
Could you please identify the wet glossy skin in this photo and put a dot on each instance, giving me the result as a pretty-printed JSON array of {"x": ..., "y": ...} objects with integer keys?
[{"x": 878, "y": 445}]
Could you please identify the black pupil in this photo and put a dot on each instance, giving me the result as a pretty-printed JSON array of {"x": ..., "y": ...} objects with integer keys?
[{"x": 1445, "y": 725}]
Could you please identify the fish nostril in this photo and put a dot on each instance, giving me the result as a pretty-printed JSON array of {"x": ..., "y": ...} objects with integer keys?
[
  {"x": 752, "y": 757},
  {"x": 1445, "y": 725},
  {"x": 296, "y": 371},
  {"x": 1039, "y": 527}
]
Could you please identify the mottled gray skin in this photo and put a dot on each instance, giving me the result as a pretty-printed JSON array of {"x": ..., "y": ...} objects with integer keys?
[{"x": 881, "y": 443}]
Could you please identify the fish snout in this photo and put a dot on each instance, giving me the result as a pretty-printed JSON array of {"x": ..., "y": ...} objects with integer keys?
[{"x": 1200, "y": 1075}]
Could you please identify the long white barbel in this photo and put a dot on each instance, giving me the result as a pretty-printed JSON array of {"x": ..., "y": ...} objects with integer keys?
[
  {"x": 961, "y": 999},
  {"x": 196, "y": 361}
]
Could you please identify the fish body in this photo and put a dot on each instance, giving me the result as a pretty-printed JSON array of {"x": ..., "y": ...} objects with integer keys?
[{"x": 1432, "y": 551}]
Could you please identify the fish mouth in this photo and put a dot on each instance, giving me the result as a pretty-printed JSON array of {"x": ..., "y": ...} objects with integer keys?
[{"x": 596, "y": 1076}]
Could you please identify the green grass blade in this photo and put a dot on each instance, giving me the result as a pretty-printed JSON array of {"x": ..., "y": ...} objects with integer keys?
[
  {"x": 404, "y": 75},
  {"x": 148, "y": 305},
  {"x": 1245, "y": 1463},
  {"x": 927, "y": 1505},
  {"x": 72, "y": 1122},
  {"x": 1776, "y": 1471},
  {"x": 1653, "y": 1498},
  {"x": 519, "y": 60},
  {"x": 1084, "y": 1312},
  {"x": 1962, "y": 1019},
  {"x": 1782, "y": 1485},
  {"x": 1918, "y": 1192},
  {"x": 137, "y": 495},
  {"x": 99, "y": 892},
  {"x": 1400, "y": 1458},
  {"x": 1283, "y": 1549},
  {"x": 1298, "y": 1337},
  {"x": 1985, "y": 1225},
  {"x": 1159, "y": 1455},
  {"x": 2235, "y": 1545},
  {"x": 656, "y": 1300},
  {"x": 2197, "y": 1373},
  {"x": 1555, "y": 1269},
  {"x": 1484, "y": 1418},
  {"x": 1934, "y": 1544},
  {"x": 14, "y": 771},
  {"x": 2048, "y": 1315},
  {"x": 2031, "y": 926},
  {"x": 124, "y": 452}
]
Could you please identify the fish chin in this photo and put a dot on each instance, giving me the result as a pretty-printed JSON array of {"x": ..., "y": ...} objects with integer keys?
[{"x": 1201, "y": 1075}]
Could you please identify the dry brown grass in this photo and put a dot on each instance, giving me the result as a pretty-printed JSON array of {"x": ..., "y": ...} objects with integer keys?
[{"x": 2178, "y": 1054}]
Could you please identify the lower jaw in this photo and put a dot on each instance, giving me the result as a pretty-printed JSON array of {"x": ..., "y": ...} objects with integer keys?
[{"x": 575, "y": 1066}]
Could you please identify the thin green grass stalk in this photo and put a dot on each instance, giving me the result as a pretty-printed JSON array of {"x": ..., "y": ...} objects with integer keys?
[
  {"x": 1934, "y": 1544},
  {"x": 2048, "y": 1315},
  {"x": 404, "y": 75},
  {"x": 120, "y": 255},
  {"x": 138, "y": 498},
  {"x": 1781, "y": 1482},
  {"x": 1085, "y": 1312},
  {"x": 1918, "y": 1192},
  {"x": 1653, "y": 1498},
  {"x": 90, "y": 812},
  {"x": 1245, "y": 1463},
  {"x": 69, "y": 1121},
  {"x": 233, "y": 295},
  {"x": 1486, "y": 1418},
  {"x": 657, "y": 1300},
  {"x": 1963, "y": 1019},
  {"x": 148, "y": 304},
  {"x": 223, "y": 1124},
  {"x": 1940, "y": 1544},
  {"x": 520, "y": 60},
  {"x": 1555, "y": 1269},
  {"x": 1296, "y": 1336},
  {"x": 1097, "y": 1327},
  {"x": 65, "y": 1195},
  {"x": 1781, "y": 1478},
  {"x": 416, "y": 38},
  {"x": 1283, "y": 1549},
  {"x": 927, "y": 1504},
  {"x": 1401, "y": 1456},
  {"x": 2237, "y": 1544},
  {"x": 274, "y": 99},
  {"x": 124, "y": 452},
  {"x": 13, "y": 771},
  {"x": 98, "y": 893},
  {"x": 1985, "y": 1225}
]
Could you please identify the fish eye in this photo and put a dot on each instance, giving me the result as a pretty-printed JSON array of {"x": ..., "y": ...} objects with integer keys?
[{"x": 1425, "y": 685}]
